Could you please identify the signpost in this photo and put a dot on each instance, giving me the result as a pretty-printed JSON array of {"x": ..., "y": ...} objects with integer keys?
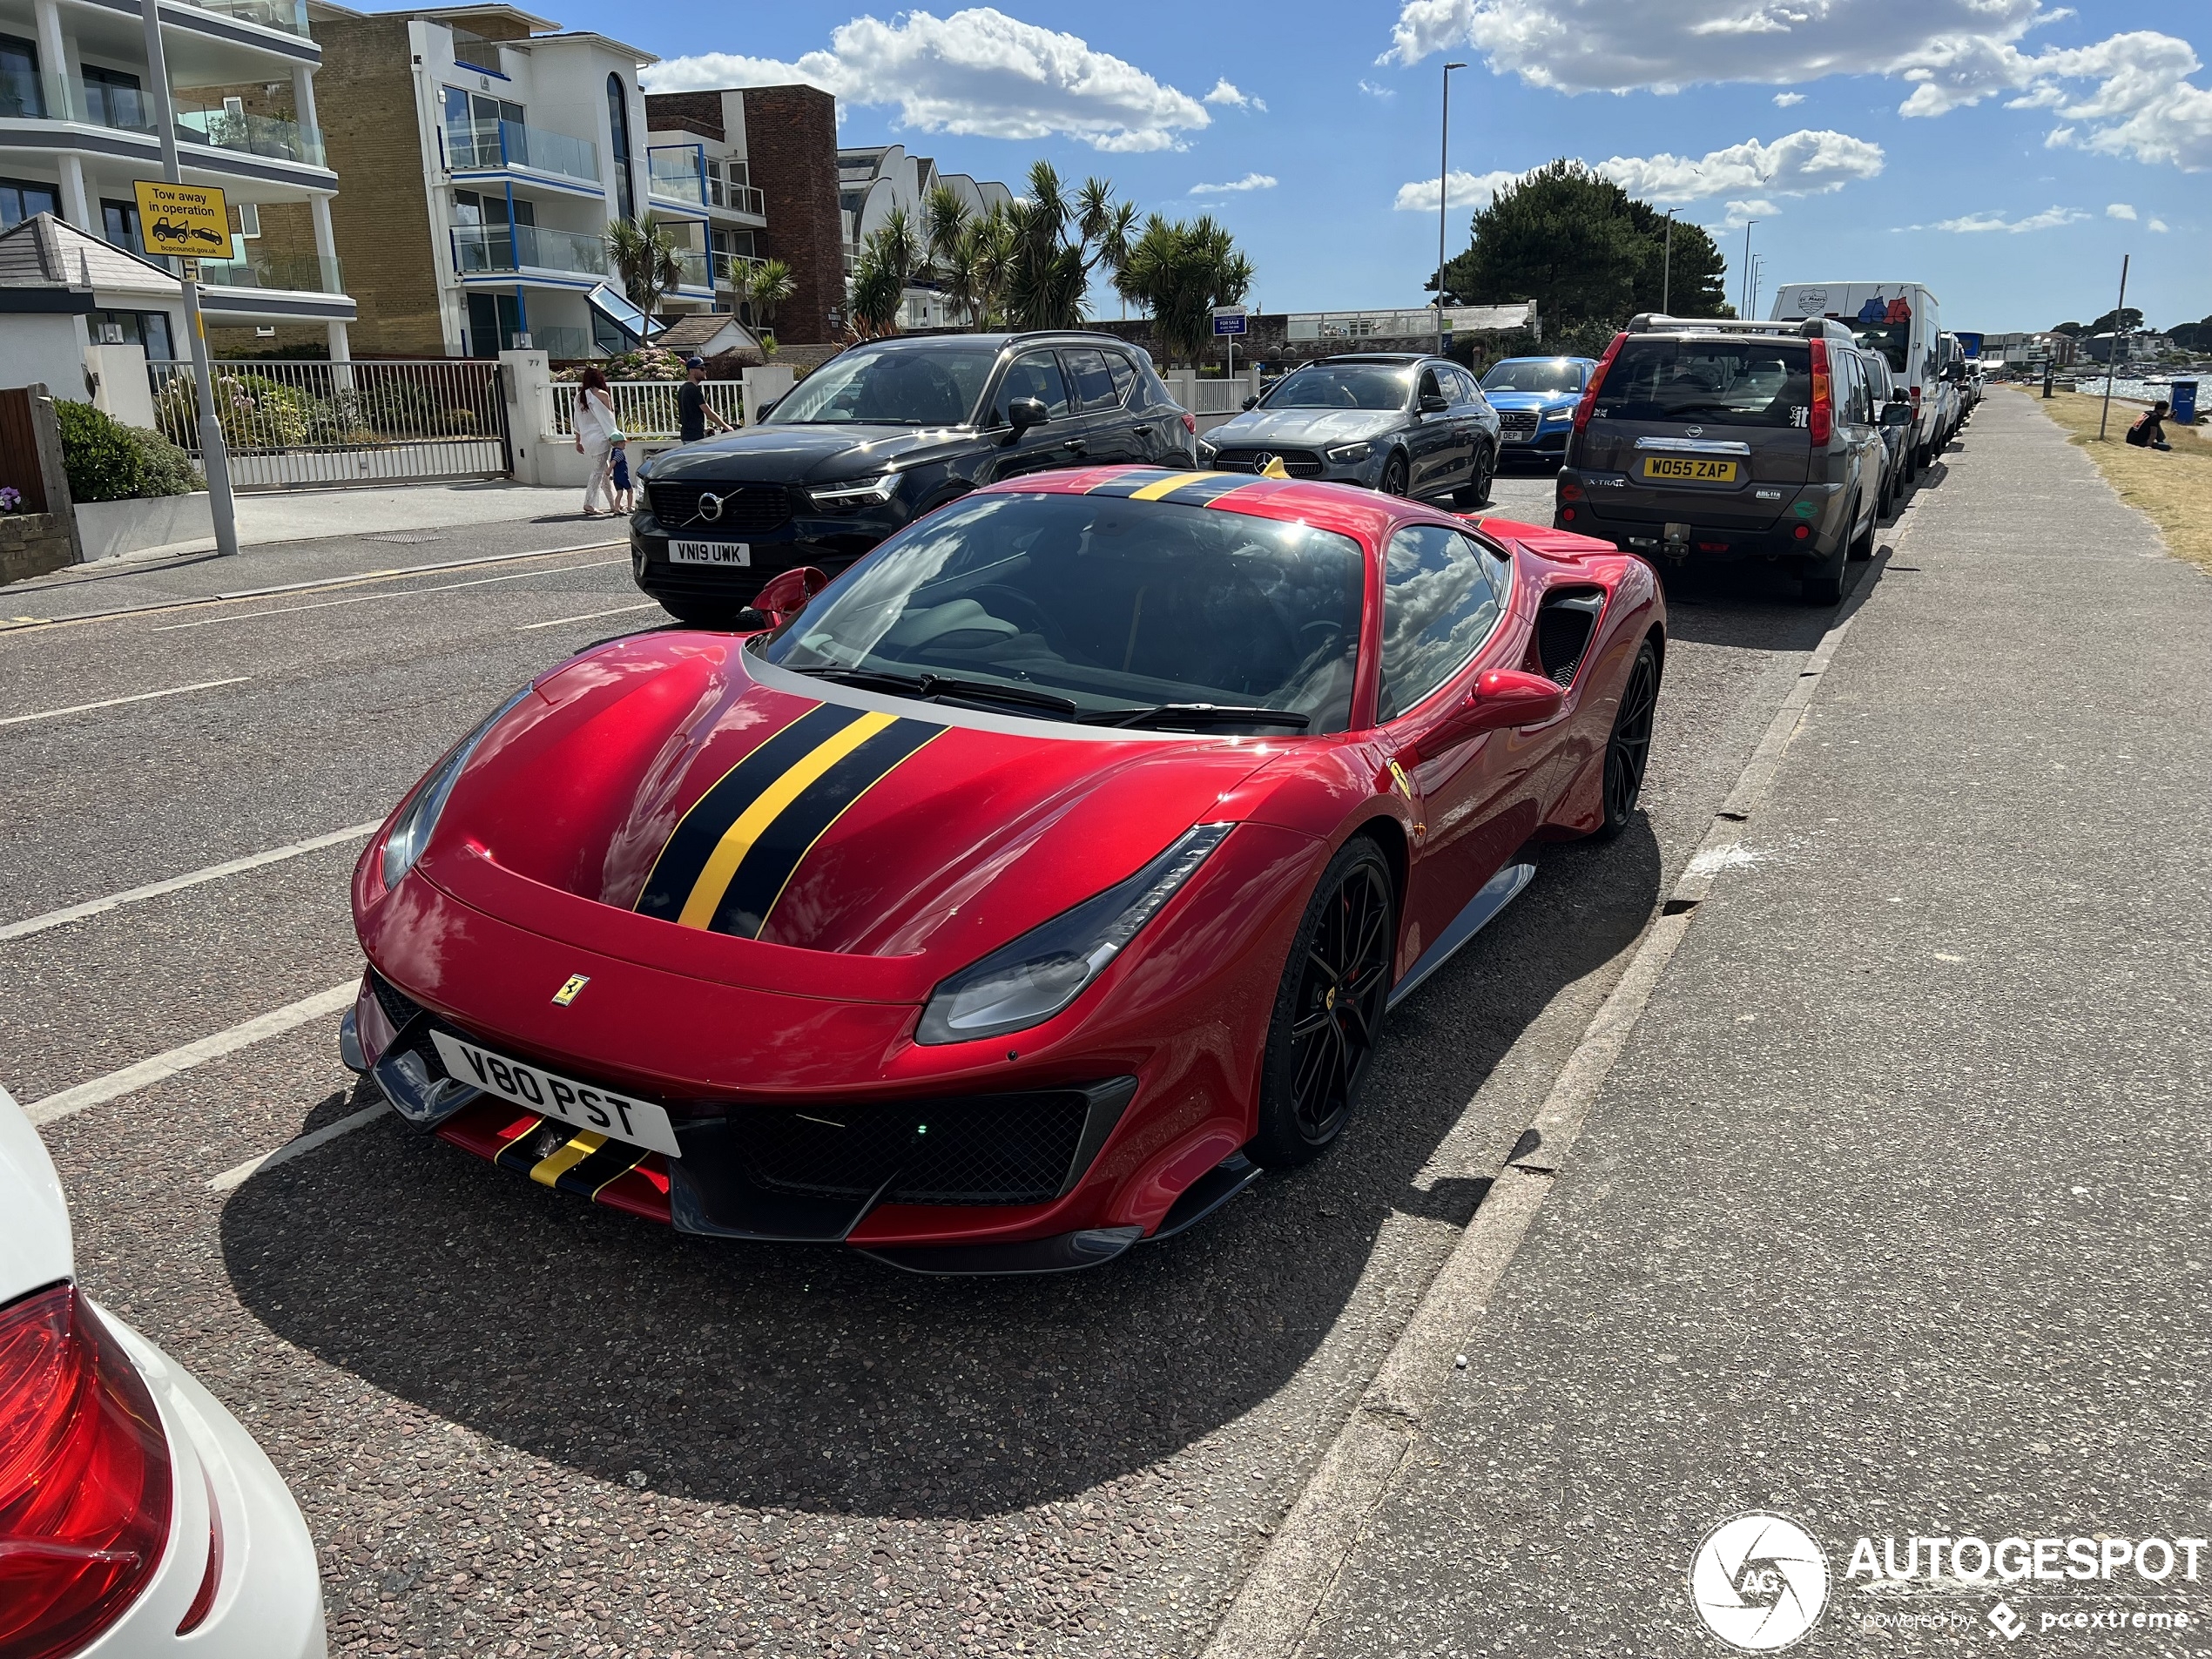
[
  {"x": 192, "y": 221},
  {"x": 1229, "y": 325}
]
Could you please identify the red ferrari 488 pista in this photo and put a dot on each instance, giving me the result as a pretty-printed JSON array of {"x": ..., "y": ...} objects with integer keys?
[{"x": 1022, "y": 893}]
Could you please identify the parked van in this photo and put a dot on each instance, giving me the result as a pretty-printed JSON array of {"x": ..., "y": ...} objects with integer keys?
[{"x": 1903, "y": 321}]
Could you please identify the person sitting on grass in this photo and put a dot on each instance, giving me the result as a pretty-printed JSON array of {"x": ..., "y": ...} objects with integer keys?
[{"x": 2149, "y": 430}]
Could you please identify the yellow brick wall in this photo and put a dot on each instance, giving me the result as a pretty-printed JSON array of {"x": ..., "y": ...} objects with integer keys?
[{"x": 365, "y": 100}]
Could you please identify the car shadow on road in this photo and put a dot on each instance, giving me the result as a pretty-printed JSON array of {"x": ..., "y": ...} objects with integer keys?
[
  {"x": 1752, "y": 605},
  {"x": 817, "y": 1379}
]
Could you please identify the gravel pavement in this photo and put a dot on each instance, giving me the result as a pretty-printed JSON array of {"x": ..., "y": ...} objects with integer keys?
[
  {"x": 519, "y": 1423},
  {"x": 1893, "y": 1217}
]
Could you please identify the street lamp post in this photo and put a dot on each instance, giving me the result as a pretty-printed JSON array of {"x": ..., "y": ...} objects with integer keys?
[
  {"x": 1667, "y": 269},
  {"x": 1443, "y": 200},
  {"x": 1746, "y": 285}
]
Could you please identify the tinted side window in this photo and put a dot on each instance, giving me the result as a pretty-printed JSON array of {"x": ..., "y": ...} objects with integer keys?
[
  {"x": 1094, "y": 386},
  {"x": 1429, "y": 387},
  {"x": 1036, "y": 374},
  {"x": 1440, "y": 602},
  {"x": 1124, "y": 373}
]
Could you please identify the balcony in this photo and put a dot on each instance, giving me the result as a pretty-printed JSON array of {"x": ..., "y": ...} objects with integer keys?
[
  {"x": 558, "y": 343},
  {"x": 483, "y": 147},
  {"x": 734, "y": 270},
  {"x": 681, "y": 173},
  {"x": 227, "y": 128},
  {"x": 482, "y": 250},
  {"x": 290, "y": 16},
  {"x": 290, "y": 272},
  {"x": 691, "y": 266}
]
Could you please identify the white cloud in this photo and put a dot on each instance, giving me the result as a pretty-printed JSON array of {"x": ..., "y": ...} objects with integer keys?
[
  {"x": 1801, "y": 164},
  {"x": 2159, "y": 226},
  {"x": 977, "y": 71},
  {"x": 1250, "y": 181},
  {"x": 1787, "y": 100},
  {"x": 1977, "y": 224},
  {"x": 1224, "y": 93},
  {"x": 1742, "y": 213},
  {"x": 2128, "y": 94},
  {"x": 2120, "y": 210},
  {"x": 1468, "y": 190},
  {"x": 1385, "y": 93}
]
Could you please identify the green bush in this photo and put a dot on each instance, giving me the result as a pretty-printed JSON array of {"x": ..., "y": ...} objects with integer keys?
[{"x": 107, "y": 461}]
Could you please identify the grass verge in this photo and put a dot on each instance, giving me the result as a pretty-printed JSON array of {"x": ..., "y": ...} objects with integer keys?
[{"x": 2173, "y": 489}]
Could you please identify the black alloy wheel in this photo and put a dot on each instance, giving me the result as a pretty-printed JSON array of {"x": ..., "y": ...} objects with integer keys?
[
  {"x": 1393, "y": 476},
  {"x": 1329, "y": 1009},
  {"x": 1477, "y": 493},
  {"x": 1629, "y": 749}
]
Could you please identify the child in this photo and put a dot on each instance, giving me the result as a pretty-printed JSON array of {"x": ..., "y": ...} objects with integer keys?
[
  {"x": 2149, "y": 432},
  {"x": 624, "y": 502}
]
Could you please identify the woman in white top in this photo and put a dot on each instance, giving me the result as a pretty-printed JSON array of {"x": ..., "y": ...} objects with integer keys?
[{"x": 595, "y": 437}]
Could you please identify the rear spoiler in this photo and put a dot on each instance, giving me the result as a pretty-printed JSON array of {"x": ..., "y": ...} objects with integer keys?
[{"x": 1646, "y": 322}]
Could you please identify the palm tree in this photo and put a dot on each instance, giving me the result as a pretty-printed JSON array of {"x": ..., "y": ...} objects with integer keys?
[
  {"x": 889, "y": 258},
  {"x": 1179, "y": 272},
  {"x": 644, "y": 252},
  {"x": 1048, "y": 270},
  {"x": 769, "y": 285}
]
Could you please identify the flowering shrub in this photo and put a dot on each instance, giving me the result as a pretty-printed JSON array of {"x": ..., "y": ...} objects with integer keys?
[
  {"x": 10, "y": 499},
  {"x": 647, "y": 363}
]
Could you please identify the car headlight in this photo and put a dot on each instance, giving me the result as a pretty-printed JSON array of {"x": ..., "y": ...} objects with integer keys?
[
  {"x": 858, "y": 492},
  {"x": 411, "y": 832},
  {"x": 1345, "y": 454},
  {"x": 1030, "y": 981},
  {"x": 1557, "y": 414}
]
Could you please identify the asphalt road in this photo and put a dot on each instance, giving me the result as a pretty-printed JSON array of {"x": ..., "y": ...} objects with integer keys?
[{"x": 521, "y": 1424}]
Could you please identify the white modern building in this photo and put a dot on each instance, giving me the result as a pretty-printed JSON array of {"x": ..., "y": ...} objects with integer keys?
[
  {"x": 487, "y": 152},
  {"x": 76, "y": 129},
  {"x": 874, "y": 183},
  {"x": 698, "y": 161}
]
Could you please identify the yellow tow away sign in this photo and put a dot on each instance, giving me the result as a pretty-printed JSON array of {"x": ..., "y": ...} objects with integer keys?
[{"x": 193, "y": 220}]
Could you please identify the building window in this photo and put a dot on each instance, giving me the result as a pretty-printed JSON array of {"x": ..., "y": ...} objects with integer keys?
[
  {"x": 20, "y": 198},
  {"x": 618, "y": 129},
  {"x": 114, "y": 99},
  {"x": 119, "y": 223},
  {"x": 20, "y": 95},
  {"x": 148, "y": 329}
]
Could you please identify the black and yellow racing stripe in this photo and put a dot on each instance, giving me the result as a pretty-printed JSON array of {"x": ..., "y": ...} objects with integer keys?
[
  {"x": 735, "y": 853},
  {"x": 1180, "y": 488},
  {"x": 583, "y": 1164}
]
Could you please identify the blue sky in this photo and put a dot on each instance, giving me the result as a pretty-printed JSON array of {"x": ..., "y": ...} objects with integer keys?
[{"x": 2003, "y": 151}]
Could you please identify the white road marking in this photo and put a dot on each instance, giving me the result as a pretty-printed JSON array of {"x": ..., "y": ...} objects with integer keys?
[
  {"x": 116, "y": 702},
  {"x": 146, "y": 1073},
  {"x": 178, "y": 883},
  {"x": 231, "y": 1179},
  {"x": 363, "y": 599},
  {"x": 590, "y": 616}
]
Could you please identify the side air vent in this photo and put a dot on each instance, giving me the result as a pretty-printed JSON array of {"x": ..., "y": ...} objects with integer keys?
[{"x": 1566, "y": 623}]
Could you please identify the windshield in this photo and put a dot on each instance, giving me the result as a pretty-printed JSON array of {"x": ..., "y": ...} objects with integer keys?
[
  {"x": 891, "y": 385},
  {"x": 1342, "y": 386},
  {"x": 1727, "y": 382},
  {"x": 1535, "y": 374},
  {"x": 1114, "y": 605}
]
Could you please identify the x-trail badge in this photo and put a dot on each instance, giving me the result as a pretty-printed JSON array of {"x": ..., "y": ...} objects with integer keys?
[{"x": 570, "y": 990}]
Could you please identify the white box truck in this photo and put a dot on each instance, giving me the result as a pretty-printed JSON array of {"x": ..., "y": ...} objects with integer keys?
[{"x": 1903, "y": 321}]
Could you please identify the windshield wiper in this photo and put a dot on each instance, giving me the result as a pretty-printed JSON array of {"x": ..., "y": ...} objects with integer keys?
[
  {"x": 1201, "y": 714},
  {"x": 932, "y": 686}
]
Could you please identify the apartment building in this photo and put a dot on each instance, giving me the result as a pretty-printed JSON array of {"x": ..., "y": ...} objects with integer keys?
[
  {"x": 873, "y": 182},
  {"x": 76, "y": 128},
  {"x": 758, "y": 168},
  {"x": 486, "y": 152}
]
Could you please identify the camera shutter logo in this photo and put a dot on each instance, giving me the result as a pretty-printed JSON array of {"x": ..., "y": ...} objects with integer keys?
[{"x": 1759, "y": 1581}]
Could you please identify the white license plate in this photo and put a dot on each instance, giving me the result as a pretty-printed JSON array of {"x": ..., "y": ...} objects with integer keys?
[
  {"x": 585, "y": 1105},
  {"x": 710, "y": 553}
]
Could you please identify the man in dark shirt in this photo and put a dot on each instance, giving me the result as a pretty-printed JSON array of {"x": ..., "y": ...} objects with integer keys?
[
  {"x": 2149, "y": 432},
  {"x": 692, "y": 411}
]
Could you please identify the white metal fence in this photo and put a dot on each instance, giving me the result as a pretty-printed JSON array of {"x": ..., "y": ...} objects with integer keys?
[
  {"x": 647, "y": 409},
  {"x": 289, "y": 421}
]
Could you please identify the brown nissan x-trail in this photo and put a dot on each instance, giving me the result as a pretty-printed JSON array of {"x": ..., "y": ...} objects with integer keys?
[{"x": 1729, "y": 440}]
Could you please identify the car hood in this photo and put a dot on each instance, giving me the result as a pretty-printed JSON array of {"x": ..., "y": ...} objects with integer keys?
[
  {"x": 1532, "y": 399},
  {"x": 775, "y": 454},
  {"x": 860, "y": 824},
  {"x": 1304, "y": 428}
]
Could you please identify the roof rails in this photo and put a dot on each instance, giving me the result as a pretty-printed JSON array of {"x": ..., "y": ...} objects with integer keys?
[{"x": 1646, "y": 322}]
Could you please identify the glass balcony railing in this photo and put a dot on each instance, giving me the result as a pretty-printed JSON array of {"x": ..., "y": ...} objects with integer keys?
[
  {"x": 253, "y": 135},
  {"x": 478, "y": 249},
  {"x": 673, "y": 176},
  {"x": 476, "y": 146},
  {"x": 558, "y": 343},
  {"x": 296, "y": 273},
  {"x": 734, "y": 270},
  {"x": 691, "y": 266},
  {"x": 290, "y": 16}
]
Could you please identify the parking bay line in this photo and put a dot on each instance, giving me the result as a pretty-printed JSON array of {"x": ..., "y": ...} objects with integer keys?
[
  {"x": 162, "y": 1067},
  {"x": 239, "y": 1175},
  {"x": 1281, "y": 1598},
  {"x": 363, "y": 599},
  {"x": 116, "y": 702},
  {"x": 590, "y": 616},
  {"x": 178, "y": 883}
]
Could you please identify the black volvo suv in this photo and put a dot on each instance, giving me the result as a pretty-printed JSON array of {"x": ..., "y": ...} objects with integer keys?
[{"x": 879, "y": 436}]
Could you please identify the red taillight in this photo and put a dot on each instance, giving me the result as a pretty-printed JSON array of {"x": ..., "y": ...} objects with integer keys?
[
  {"x": 1804, "y": 532},
  {"x": 1191, "y": 423},
  {"x": 1597, "y": 378},
  {"x": 1916, "y": 402},
  {"x": 1567, "y": 514},
  {"x": 1824, "y": 397},
  {"x": 83, "y": 1477}
]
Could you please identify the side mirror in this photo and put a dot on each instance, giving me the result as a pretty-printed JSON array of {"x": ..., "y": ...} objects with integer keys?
[
  {"x": 1249, "y": 403},
  {"x": 1434, "y": 403},
  {"x": 1503, "y": 696},
  {"x": 1026, "y": 412},
  {"x": 765, "y": 410},
  {"x": 786, "y": 594},
  {"x": 1897, "y": 414}
]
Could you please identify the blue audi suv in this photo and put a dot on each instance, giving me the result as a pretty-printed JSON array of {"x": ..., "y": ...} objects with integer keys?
[{"x": 1534, "y": 398}]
